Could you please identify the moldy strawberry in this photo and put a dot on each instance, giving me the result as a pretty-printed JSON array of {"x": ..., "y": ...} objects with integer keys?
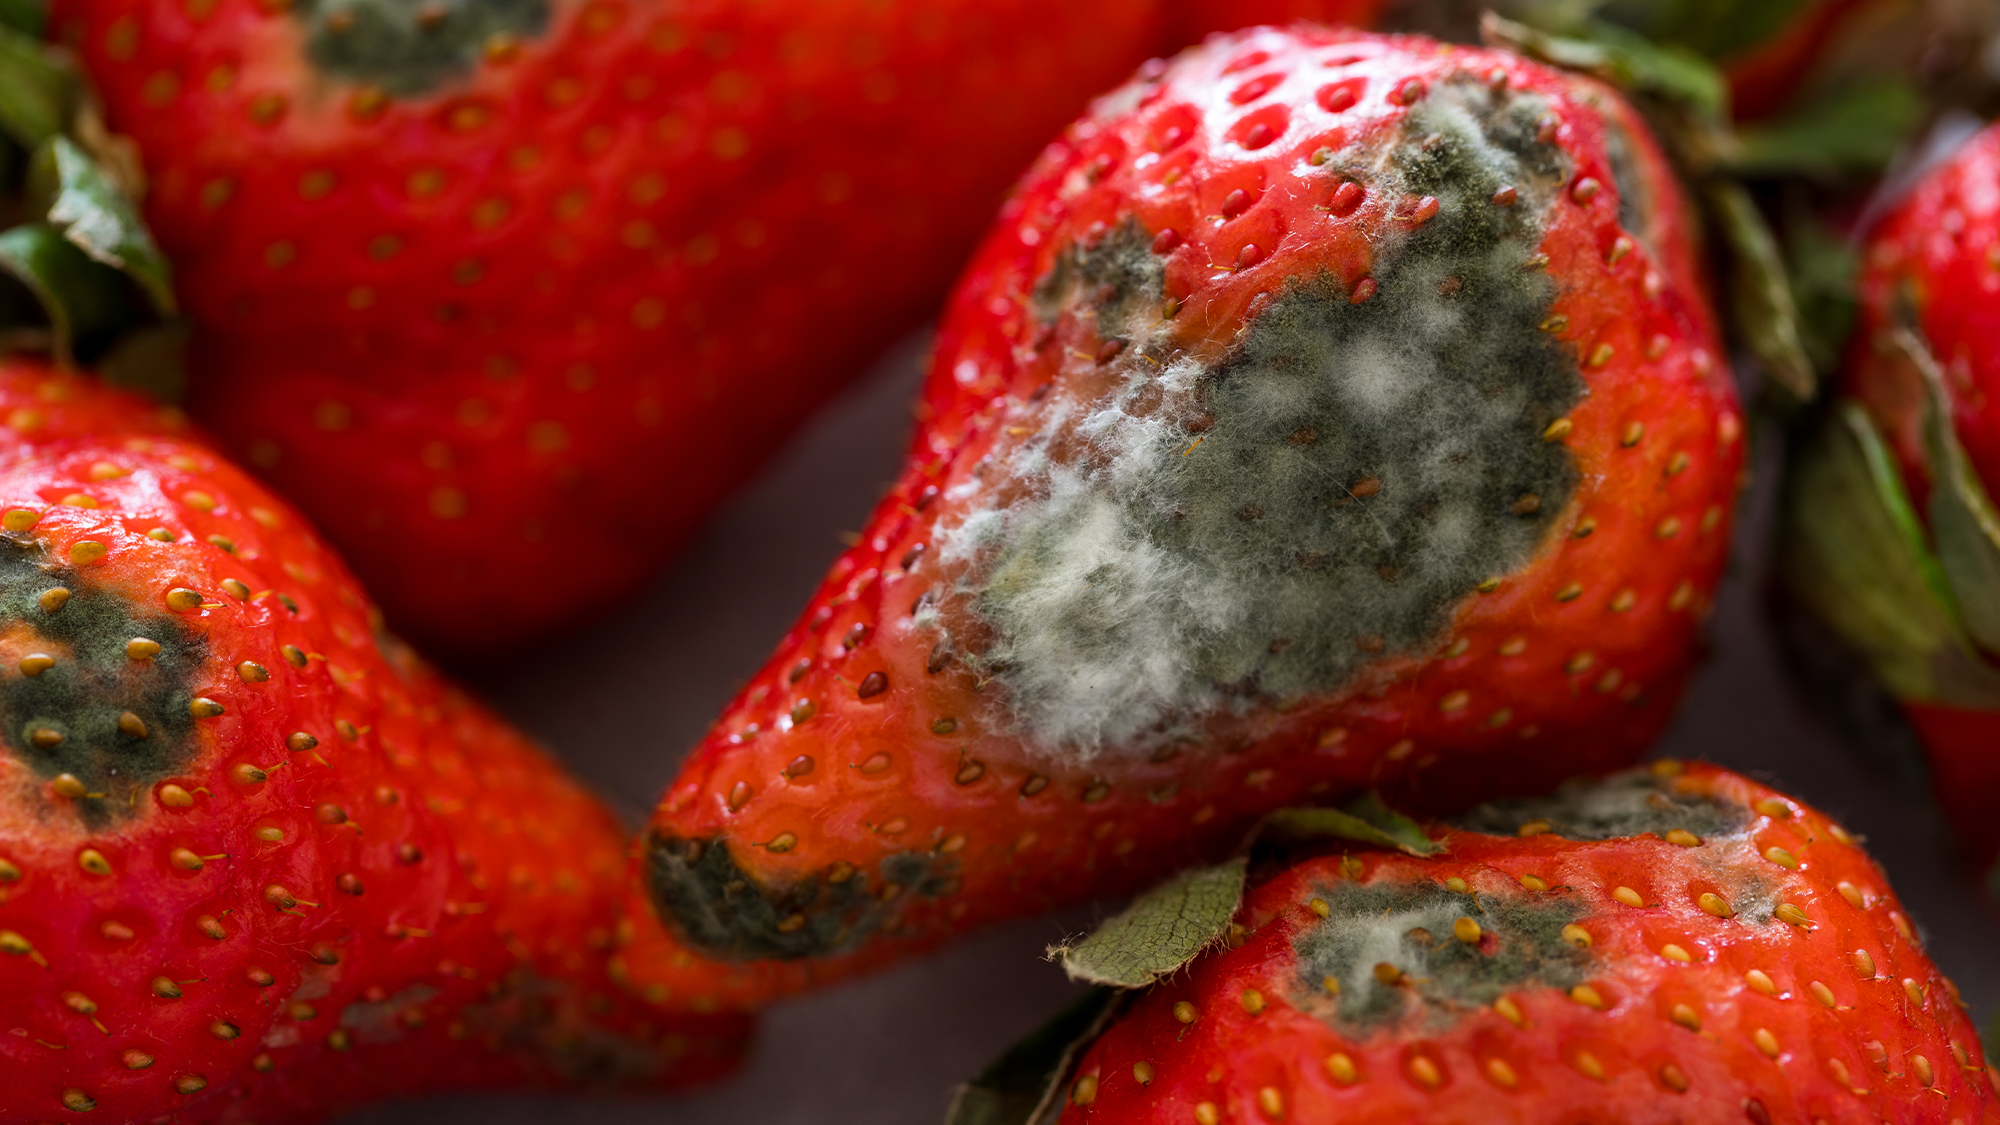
[
  {"x": 1890, "y": 536},
  {"x": 1326, "y": 411},
  {"x": 1660, "y": 947},
  {"x": 257, "y": 861}
]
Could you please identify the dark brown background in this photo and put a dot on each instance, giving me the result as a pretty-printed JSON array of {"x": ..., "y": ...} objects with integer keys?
[{"x": 623, "y": 700}]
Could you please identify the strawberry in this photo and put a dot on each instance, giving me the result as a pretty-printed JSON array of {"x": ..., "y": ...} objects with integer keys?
[
  {"x": 1890, "y": 532},
  {"x": 256, "y": 860},
  {"x": 1327, "y": 411},
  {"x": 1931, "y": 265},
  {"x": 1687, "y": 947},
  {"x": 490, "y": 290}
]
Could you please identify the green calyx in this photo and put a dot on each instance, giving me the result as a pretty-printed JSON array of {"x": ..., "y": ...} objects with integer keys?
[
  {"x": 80, "y": 275},
  {"x": 1709, "y": 29},
  {"x": 1024, "y": 1086},
  {"x": 1917, "y": 597},
  {"x": 1166, "y": 928},
  {"x": 1161, "y": 931},
  {"x": 1665, "y": 57}
]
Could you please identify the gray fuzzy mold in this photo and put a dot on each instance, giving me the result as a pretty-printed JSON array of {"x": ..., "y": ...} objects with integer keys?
[
  {"x": 1621, "y": 152},
  {"x": 411, "y": 47},
  {"x": 1409, "y": 926},
  {"x": 1634, "y": 803},
  {"x": 67, "y": 719},
  {"x": 1362, "y": 467},
  {"x": 720, "y": 910}
]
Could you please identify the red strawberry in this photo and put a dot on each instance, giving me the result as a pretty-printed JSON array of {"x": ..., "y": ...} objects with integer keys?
[
  {"x": 1697, "y": 947},
  {"x": 1933, "y": 264},
  {"x": 1327, "y": 411},
  {"x": 1890, "y": 532},
  {"x": 257, "y": 861},
  {"x": 501, "y": 291}
]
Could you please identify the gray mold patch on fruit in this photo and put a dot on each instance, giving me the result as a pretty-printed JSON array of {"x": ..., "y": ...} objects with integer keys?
[
  {"x": 1634, "y": 803},
  {"x": 1438, "y": 977},
  {"x": 1118, "y": 276},
  {"x": 411, "y": 47},
  {"x": 1636, "y": 205},
  {"x": 114, "y": 723},
  {"x": 1362, "y": 466},
  {"x": 720, "y": 910}
]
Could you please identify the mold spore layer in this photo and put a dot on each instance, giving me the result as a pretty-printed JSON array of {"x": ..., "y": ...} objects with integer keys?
[
  {"x": 411, "y": 47},
  {"x": 717, "y": 908},
  {"x": 1438, "y": 977},
  {"x": 99, "y": 688},
  {"x": 1634, "y": 803},
  {"x": 1361, "y": 467}
]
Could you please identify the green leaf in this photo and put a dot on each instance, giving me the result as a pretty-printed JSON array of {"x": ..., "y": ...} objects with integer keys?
[
  {"x": 1856, "y": 128},
  {"x": 1963, "y": 522},
  {"x": 36, "y": 93},
  {"x": 1765, "y": 315},
  {"x": 94, "y": 213},
  {"x": 1822, "y": 267},
  {"x": 1024, "y": 1086},
  {"x": 1853, "y": 552},
  {"x": 1621, "y": 57},
  {"x": 1162, "y": 930},
  {"x": 24, "y": 16},
  {"x": 82, "y": 298},
  {"x": 1366, "y": 820},
  {"x": 1715, "y": 29}
]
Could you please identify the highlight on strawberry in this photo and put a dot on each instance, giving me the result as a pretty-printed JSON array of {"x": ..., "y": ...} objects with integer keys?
[
  {"x": 1891, "y": 538},
  {"x": 1668, "y": 945},
  {"x": 1326, "y": 411}
]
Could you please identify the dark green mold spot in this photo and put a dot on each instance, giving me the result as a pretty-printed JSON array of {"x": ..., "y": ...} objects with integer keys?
[
  {"x": 1362, "y": 466},
  {"x": 1118, "y": 275},
  {"x": 411, "y": 47},
  {"x": 719, "y": 910},
  {"x": 1635, "y": 204},
  {"x": 1634, "y": 803},
  {"x": 67, "y": 719},
  {"x": 1409, "y": 926}
]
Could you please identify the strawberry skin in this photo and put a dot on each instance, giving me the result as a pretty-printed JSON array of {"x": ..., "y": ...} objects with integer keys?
[
  {"x": 1689, "y": 948},
  {"x": 1935, "y": 260},
  {"x": 1932, "y": 266},
  {"x": 258, "y": 862},
  {"x": 1309, "y": 423},
  {"x": 541, "y": 282}
]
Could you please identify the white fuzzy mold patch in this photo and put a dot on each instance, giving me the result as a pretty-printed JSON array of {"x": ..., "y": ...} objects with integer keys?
[
  {"x": 1408, "y": 928},
  {"x": 1361, "y": 467}
]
